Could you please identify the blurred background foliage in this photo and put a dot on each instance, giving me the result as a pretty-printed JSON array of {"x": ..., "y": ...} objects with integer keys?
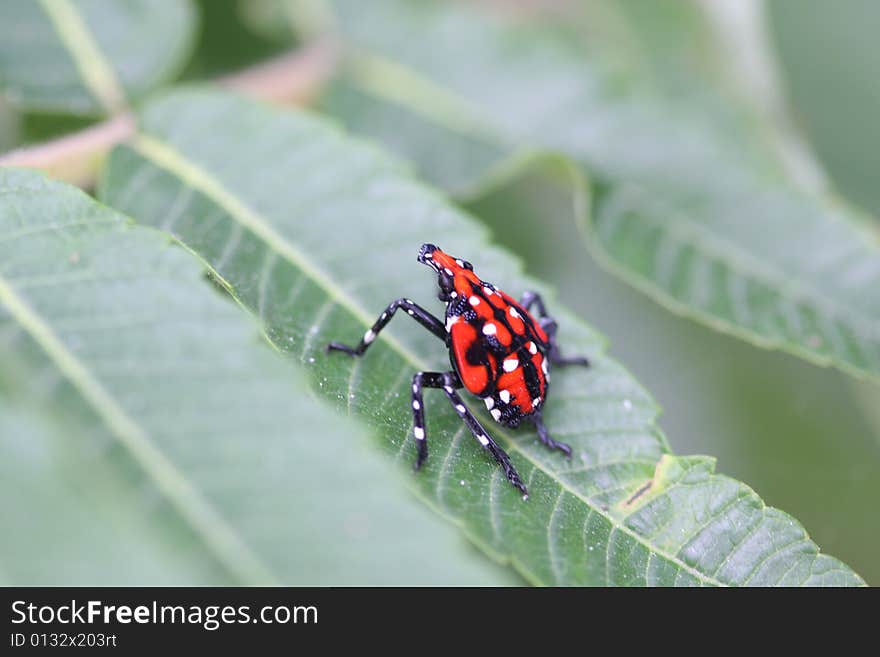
[
  {"x": 805, "y": 438},
  {"x": 830, "y": 65}
]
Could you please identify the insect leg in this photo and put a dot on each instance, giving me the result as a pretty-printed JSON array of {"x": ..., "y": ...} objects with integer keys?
[
  {"x": 423, "y": 380},
  {"x": 415, "y": 311},
  {"x": 545, "y": 437},
  {"x": 450, "y": 384},
  {"x": 529, "y": 299},
  {"x": 550, "y": 327}
]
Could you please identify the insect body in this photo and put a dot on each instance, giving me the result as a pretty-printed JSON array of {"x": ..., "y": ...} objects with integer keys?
[{"x": 499, "y": 352}]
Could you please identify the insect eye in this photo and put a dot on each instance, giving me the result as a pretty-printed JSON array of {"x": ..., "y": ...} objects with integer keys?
[{"x": 467, "y": 265}]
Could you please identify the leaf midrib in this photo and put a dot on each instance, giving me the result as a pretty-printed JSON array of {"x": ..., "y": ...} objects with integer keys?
[
  {"x": 167, "y": 157},
  {"x": 221, "y": 539},
  {"x": 96, "y": 72}
]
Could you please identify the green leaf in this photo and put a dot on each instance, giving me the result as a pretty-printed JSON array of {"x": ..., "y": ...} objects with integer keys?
[
  {"x": 148, "y": 436},
  {"x": 692, "y": 204},
  {"x": 90, "y": 56},
  {"x": 806, "y": 447},
  {"x": 316, "y": 233}
]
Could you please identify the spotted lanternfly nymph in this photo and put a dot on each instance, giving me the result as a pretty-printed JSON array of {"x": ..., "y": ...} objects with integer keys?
[{"x": 499, "y": 352}]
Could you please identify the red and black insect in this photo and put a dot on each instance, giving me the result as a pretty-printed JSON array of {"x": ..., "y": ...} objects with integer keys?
[{"x": 498, "y": 350}]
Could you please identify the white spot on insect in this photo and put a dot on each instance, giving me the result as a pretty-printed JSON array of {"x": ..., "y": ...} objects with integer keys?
[
  {"x": 484, "y": 440},
  {"x": 510, "y": 364},
  {"x": 369, "y": 336},
  {"x": 544, "y": 367},
  {"x": 459, "y": 262},
  {"x": 450, "y": 322},
  {"x": 416, "y": 404},
  {"x": 536, "y": 402},
  {"x": 513, "y": 312},
  {"x": 627, "y": 404},
  {"x": 410, "y": 312},
  {"x": 384, "y": 315},
  {"x": 496, "y": 413},
  {"x": 460, "y": 408},
  {"x": 448, "y": 389},
  {"x": 419, "y": 433},
  {"x": 429, "y": 255},
  {"x": 533, "y": 348},
  {"x": 489, "y": 328},
  {"x": 490, "y": 403},
  {"x": 525, "y": 497},
  {"x": 415, "y": 388},
  {"x": 448, "y": 271},
  {"x": 488, "y": 290},
  {"x": 474, "y": 301},
  {"x": 453, "y": 295},
  {"x": 505, "y": 396}
]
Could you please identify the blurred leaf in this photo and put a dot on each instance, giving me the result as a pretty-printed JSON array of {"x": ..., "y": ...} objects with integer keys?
[
  {"x": 148, "y": 437},
  {"x": 89, "y": 516},
  {"x": 831, "y": 64},
  {"x": 285, "y": 21},
  {"x": 315, "y": 233},
  {"x": 690, "y": 205},
  {"x": 90, "y": 56}
]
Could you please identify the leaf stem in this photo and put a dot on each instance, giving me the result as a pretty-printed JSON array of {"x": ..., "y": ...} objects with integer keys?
[{"x": 293, "y": 77}]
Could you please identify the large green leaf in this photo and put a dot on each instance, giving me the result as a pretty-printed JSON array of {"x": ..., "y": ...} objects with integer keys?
[
  {"x": 90, "y": 56},
  {"x": 807, "y": 447},
  {"x": 315, "y": 233},
  {"x": 149, "y": 437},
  {"x": 691, "y": 205}
]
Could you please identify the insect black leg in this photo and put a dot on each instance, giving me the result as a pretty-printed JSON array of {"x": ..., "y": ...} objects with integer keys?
[
  {"x": 423, "y": 380},
  {"x": 415, "y": 311},
  {"x": 481, "y": 434},
  {"x": 449, "y": 381},
  {"x": 545, "y": 437},
  {"x": 529, "y": 299},
  {"x": 550, "y": 327}
]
